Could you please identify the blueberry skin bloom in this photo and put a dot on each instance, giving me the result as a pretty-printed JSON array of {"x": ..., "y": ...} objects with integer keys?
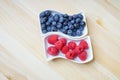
[
  {"x": 59, "y": 25},
  {"x": 56, "y": 17},
  {"x": 69, "y": 32},
  {"x": 78, "y": 33}
]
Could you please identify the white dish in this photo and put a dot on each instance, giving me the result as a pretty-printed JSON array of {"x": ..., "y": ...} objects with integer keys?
[
  {"x": 61, "y": 55},
  {"x": 85, "y": 31}
]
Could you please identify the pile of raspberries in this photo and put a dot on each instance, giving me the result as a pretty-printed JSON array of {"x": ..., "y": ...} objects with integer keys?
[{"x": 70, "y": 49}]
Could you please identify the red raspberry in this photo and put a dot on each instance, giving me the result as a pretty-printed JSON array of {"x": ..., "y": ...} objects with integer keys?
[
  {"x": 84, "y": 44},
  {"x": 71, "y": 45},
  {"x": 59, "y": 45},
  {"x": 52, "y": 39},
  {"x": 78, "y": 49},
  {"x": 52, "y": 50},
  {"x": 71, "y": 55},
  {"x": 83, "y": 56},
  {"x": 65, "y": 49},
  {"x": 63, "y": 40}
]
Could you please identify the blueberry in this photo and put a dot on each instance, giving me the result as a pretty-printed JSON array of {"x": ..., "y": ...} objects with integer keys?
[
  {"x": 70, "y": 18},
  {"x": 47, "y": 12},
  {"x": 82, "y": 23},
  {"x": 74, "y": 16},
  {"x": 42, "y": 14},
  {"x": 71, "y": 26},
  {"x": 65, "y": 23},
  {"x": 81, "y": 28},
  {"x": 80, "y": 16},
  {"x": 54, "y": 23},
  {"x": 61, "y": 19},
  {"x": 63, "y": 31},
  {"x": 48, "y": 23},
  {"x": 69, "y": 32},
  {"x": 78, "y": 20},
  {"x": 56, "y": 17},
  {"x": 72, "y": 22},
  {"x": 66, "y": 27},
  {"x": 74, "y": 33},
  {"x": 43, "y": 20},
  {"x": 65, "y": 15},
  {"x": 78, "y": 32},
  {"x": 53, "y": 28},
  {"x": 74, "y": 30},
  {"x": 69, "y": 23},
  {"x": 49, "y": 28},
  {"x": 59, "y": 25},
  {"x": 44, "y": 31},
  {"x": 76, "y": 26},
  {"x": 50, "y": 19},
  {"x": 43, "y": 26}
]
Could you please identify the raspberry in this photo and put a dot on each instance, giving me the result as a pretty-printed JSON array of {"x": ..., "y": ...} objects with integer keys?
[
  {"x": 59, "y": 45},
  {"x": 78, "y": 49},
  {"x": 71, "y": 55},
  {"x": 63, "y": 40},
  {"x": 65, "y": 49},
  {"x": 83, "y": 56},
  {"x": 52, "y": 50},
  {"x": 84, "y": 44},
  {"x": 52, "y": 39},
  {"x": 71, "y": 45}
]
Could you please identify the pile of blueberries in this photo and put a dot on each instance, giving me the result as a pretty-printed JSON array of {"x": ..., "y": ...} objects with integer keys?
[{"x": 70, "y": 25}]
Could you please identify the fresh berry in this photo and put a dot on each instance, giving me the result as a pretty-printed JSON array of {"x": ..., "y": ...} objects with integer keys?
[
  {"x": 72, "y": 22},
  {"x": 80, "y": 16},
  {"x": 42, "y": 14},
  {"x": 71, "y": 45},
  {"x": 59, "y": 45},
  {"x": 43, "y": 26},
  {"x": 53, "y": 28},
  {"x": 83, "y": 56},
  {"x": 54, "y": 23},
  {"x": 50, "y": 19},
  {"x": 65, "y": 15},
  {"x": 70, "y": 55},
  {"x": 52, "y": 39},
  {"x": 75, "y": 16},
  {"x": 47, "y": 13},
  {"x": 81, "y": 28},
  {"x": 70, "y": 18},
  {"x": 82, "y": 23},
  {"x": 49, "y": 28},
  {"x": 65, "y": 23},
  {"x": 71, "y": 26},
  {"x": 65, "y": 49},
  {"x": 66, "y": 27},
  {"x": 61, "y": 19},
  {"x": 69, "y": 32},
  {"x": 56, "y": 17},
  {"x": 48, "y": 23},
  {"x": 78, "y": 49},
  {"x": 52, "y": 50},
  {"x": 63, "y": 40},
  {"x": 84, "y": 44},
  {"x": 78, "y": 32},
  {"x": 43, "y": 20},
  {"x": 63, "y": 31},
  {"x": 44, "y": 31},
  {"x": 59, "y": 25},
  {"x": 78, "y": 20}
]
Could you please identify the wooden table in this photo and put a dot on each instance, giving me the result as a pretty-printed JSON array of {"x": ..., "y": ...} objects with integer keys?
[{"x": 21, "y": 46}]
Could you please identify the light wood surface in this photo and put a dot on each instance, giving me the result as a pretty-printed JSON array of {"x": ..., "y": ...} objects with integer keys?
[{"x": 21, "y": 46}]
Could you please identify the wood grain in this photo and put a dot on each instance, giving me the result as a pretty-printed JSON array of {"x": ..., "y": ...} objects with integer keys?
[{"x": 21, "y": 46}]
